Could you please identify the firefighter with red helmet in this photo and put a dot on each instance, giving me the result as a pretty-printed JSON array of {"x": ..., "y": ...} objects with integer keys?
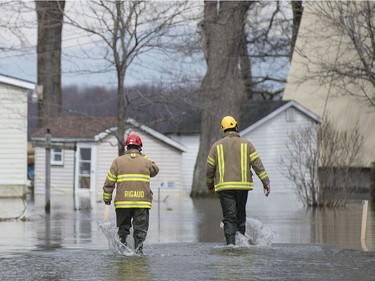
[{"x": 131, "y": 173}]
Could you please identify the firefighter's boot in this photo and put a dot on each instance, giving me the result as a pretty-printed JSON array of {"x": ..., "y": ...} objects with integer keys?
[
  {"x": 138, "y": 246},
  {"x": 139, "y": 237},
  {"x": 230, "y": 239},
  {"x": 123, "y": 240},
  {"x": 242, "y": 228}
]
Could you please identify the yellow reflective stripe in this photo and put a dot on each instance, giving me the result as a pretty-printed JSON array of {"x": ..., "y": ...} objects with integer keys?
[
  {"x": 209, "y": 180},
  {"x": 133, "y": 204},
  {"x": 263, "y": 175},
  {"x": 244, "y": 164},
  {"x": 111, "y": 177},
  {"x": 133, "y": 177},
  {"x": 220, "y": 154},
  {"x": 210, "y": 161},
  {"x": 253, "y": 156},
  {"x": 107, "y": 196},
  {"x": 234, "y": 185}
]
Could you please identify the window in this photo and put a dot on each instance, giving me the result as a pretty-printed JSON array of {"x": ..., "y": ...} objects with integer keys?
[
  {"x": 57, "y": 156},
  {"x": 290, "y": 115},
  {"x": 84, "y": 173}
]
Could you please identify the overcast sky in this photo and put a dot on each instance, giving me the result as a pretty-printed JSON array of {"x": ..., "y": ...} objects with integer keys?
[{"x": 18, "y": 53}]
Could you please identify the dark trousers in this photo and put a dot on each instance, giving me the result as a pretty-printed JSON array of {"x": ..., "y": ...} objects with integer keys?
[
  {"x": 140, "y": 219},
  {"x": 233, "y": 205}
]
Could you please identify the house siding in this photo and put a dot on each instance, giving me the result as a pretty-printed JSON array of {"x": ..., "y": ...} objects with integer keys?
[
  {"x": 188, "y": 159},
  {"x": 344, "y": 111},
  {"x": 13, "y": 141},
  {"x": 166, "y": 157},
  {"x": 270, "y": 141},
  {"x": 169, "y": 161},
  {"x": 61, "y": 176},
  {"x": 106, "y": 153}
]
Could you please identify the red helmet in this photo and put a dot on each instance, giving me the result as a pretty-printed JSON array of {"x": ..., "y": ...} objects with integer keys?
[{"x": 133, "y": 139}]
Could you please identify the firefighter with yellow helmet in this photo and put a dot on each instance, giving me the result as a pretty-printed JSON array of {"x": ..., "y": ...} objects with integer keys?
[
  {"x": 228, "y": 172},
  {"x": 131, "y": 174}
]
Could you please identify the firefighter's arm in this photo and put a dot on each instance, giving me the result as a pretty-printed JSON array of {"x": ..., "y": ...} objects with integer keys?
[
  {"x": 210, "y": 170},
  {"x": 110, "y": 183},
  {"x": 154, "y": 170},
  {"x": 260, "y": 171}
]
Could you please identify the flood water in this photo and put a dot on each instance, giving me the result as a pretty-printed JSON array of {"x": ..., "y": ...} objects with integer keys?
[{"x": 77, "y": 241}]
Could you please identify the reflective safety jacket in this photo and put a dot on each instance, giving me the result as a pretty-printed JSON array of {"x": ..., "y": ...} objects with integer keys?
[
  {"x": 229, "y": 164},
  {"x": 131, "y": 173}
]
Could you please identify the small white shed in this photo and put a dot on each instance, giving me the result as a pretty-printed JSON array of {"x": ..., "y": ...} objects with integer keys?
[
  {"x": 83, "y": 167},
  {"x": 13, "y": 132}
]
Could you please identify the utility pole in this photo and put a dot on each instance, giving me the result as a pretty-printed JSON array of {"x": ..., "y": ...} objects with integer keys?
[{"x": 47, "y": 207}]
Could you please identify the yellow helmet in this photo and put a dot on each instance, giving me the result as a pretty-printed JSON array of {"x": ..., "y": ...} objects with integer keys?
[{"x": 228, "y": 122}]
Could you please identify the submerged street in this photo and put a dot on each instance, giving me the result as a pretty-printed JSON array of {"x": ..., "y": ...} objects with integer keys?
[{"x": 185, "y": 241}]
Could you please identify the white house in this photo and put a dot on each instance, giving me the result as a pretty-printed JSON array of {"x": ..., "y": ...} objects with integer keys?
[
  {"x": 13, "y": 132},
  {"x": 267, "y": 124},
  {"x": 87, "y": 149},
  {"x": 319, "y": 47}
]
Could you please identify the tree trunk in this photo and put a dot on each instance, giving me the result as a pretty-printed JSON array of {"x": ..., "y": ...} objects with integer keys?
[
  {"x": 121, "y": 113},
  {"x": 50, "y": 16},
  {"x": 297, "y": 8},
  {"x": 222, "y": 90},
  {"x": 245, "y": 66},
  {"x": 120, "y": 58}
]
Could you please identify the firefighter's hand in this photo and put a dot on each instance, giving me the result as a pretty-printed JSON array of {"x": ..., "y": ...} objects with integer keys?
[
  {"x": 107, "y": 202},
  {"x": 267, "y": 190}
]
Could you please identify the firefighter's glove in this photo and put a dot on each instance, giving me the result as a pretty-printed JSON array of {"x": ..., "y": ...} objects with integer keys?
[
  {"x": 107, "y": 202},
  {"x": 267, "y": 189}
]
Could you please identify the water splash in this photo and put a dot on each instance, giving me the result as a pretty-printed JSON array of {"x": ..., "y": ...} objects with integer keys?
[
  {"x": 114, "y": 243},
  {"x": 257, "y": 234}
]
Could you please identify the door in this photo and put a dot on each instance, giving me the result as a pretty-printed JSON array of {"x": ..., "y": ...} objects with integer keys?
[{"x": 85, "y": 174}]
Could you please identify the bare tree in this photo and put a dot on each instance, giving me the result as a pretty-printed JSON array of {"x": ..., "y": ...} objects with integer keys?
[
  {"x": 50, "y": 22},
  {"x": 125, "y": 30},
  {"x": 12, "y": 26},
  {"x": 300, "y": 164},
  {"x": 269, "y": 31},
  {"x": 349, "y": 27},
  {"x": 322, "y": 162},
  {"x": 222, "y": 91}
]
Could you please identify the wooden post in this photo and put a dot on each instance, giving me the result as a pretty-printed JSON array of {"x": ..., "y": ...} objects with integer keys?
[
  {"x": 363, "y": 225},
  {"x": 159, "y": 214},
  {"x": 372, "y": 183},
  {"x": 47, "y": 207}
]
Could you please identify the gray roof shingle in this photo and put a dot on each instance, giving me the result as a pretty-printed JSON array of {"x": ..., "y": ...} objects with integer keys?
[{"x": 87, "y": 127}]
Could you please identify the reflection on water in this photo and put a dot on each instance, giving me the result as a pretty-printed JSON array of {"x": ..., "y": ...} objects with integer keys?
[
  {"x": 185, "y": 240},
  {"x": 73, "y": 223}
]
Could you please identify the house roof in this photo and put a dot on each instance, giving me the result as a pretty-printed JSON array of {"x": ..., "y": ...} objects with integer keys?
[
  {"x": 16, "y": 82},
  {"x": 76, "y": 127},
  {"x": 254, "y": 113},
  {"x": 267, "y": 112},
  {"x": 92, "y": 128}
]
